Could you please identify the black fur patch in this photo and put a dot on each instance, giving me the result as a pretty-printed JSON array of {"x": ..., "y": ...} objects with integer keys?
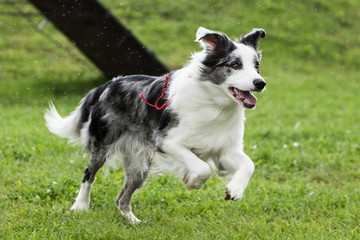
[
  {"x": 90, "y": 100},
  {"x": 86, "y": 175},
  {"x": 251, "y": 39},
  {"x": 98, "y": 127},
  {"x": 224, "y": 47},
  {"x": 218, "y": 58}
]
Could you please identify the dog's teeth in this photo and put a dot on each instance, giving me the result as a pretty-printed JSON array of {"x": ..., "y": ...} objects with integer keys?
[{"x": 235, "y": 92}]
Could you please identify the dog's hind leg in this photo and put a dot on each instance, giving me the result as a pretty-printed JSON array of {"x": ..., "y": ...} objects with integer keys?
[
  {"x": 136, "y": 173},
  {"x": 97, "y": 160}
]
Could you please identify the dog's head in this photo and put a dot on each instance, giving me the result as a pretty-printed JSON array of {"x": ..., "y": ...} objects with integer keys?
[{"x": 233, "y": 65}]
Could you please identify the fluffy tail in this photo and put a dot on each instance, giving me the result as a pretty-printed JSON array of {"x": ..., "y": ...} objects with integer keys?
[{"x": 67, "y": 127}]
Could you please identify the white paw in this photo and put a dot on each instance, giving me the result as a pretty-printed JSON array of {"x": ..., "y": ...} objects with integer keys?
[
  {"x": 80, "y": 206},
  {"x": 130, "y": 217},
  {"x": 234, "y": 192},
  {"x": 82, "y": 201},
  {"x": 194, "y": 181}
]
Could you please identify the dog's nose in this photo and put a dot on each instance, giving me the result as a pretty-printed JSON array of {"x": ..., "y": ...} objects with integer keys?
[{"x": 259, "y": 84}]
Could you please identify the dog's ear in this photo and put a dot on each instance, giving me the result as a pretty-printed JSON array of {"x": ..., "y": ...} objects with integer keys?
[
  {"x": 211, "y": 40},
  {"x": 252, "y": 38}
]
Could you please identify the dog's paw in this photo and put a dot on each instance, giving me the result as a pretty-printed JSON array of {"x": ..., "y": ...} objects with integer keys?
[
  {"x": 130, "y": 217},
  {"x": 235, "y": 190},
  {"x": 232, "y": 196},
  {"x": 80, "y": 206},
  {"x": 193, "y": 181}
]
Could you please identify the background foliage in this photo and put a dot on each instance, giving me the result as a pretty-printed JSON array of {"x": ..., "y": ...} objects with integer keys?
[{"x": 303, "y": 136}]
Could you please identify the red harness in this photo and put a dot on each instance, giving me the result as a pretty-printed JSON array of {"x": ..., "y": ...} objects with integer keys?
[{"x": 157, "y": 101}]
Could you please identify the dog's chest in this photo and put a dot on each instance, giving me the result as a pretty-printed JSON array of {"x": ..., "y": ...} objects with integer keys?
[{"x": 207, "y": 131}]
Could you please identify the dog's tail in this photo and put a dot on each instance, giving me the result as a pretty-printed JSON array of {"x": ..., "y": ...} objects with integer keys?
[{"x": 67, "y": 127}]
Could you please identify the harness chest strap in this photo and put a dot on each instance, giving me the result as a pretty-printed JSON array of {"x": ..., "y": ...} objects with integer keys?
[{"x": 162, "y": 94}]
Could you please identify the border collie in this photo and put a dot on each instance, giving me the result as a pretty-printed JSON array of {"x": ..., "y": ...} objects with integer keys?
[{"x": 184, "y": 122}]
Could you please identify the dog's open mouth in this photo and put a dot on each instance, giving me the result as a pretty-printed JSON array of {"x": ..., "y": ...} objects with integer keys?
[{"x": 244, "y": 97}]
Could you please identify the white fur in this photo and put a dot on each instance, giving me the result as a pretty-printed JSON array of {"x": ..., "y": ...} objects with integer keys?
[
  {"x": 83, "y": 199},
  {"x": 130, "y": 217},
  {"x": 63, "y": 127},
  {"x": 104, "y": 94},
  {"x": 128, "y": 143}
]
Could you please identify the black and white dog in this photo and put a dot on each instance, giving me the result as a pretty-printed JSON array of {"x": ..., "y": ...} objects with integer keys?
[{"x": 198, "y": 119}]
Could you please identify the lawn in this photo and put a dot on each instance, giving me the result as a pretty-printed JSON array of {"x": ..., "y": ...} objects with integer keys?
[{"x": 303, "y": 136}]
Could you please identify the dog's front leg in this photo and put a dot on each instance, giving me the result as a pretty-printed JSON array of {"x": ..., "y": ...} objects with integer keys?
[
  {"x": 240, "y": 165},
  {"x": 195, "y": 171}
]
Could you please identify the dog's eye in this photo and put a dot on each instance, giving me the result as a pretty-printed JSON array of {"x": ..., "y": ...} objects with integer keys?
[
  {"x": 257, "y": 66},
  {"x": 237, "y": 66}
]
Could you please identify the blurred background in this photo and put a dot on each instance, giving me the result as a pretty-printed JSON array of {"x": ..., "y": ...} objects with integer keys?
[{"x": 302, "y": 36}]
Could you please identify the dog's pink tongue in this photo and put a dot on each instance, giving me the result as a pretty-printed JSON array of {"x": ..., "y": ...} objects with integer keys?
[{"x": 249, "y": 98}]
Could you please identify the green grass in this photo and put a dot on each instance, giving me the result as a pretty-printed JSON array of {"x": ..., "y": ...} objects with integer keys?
[{"x": 307, "y": 191}]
